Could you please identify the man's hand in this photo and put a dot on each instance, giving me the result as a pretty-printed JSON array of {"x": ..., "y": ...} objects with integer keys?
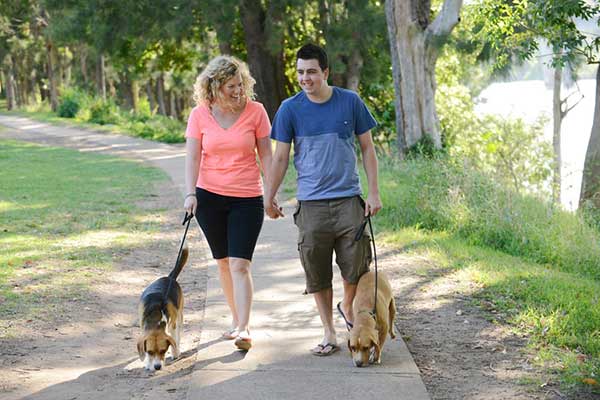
[
  {"x": 272, "y": 209},
  {"x": 373, "y": 205}
]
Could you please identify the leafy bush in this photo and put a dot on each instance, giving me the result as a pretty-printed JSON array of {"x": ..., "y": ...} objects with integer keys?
[
  {"x": 104, "y": 112},
  {"x": 71, "y": 102},
  {"x": 159, "y": 127}
]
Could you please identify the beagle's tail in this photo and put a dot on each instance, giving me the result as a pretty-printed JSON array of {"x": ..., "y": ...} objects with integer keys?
[{"x": 180, "y": 263}]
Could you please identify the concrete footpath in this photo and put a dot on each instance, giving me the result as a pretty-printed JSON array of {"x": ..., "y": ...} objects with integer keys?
[{"x": 284, "y": 323}]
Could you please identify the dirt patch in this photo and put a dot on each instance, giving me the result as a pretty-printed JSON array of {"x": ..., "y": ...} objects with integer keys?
[
  {"x": 88, "y": 350},
  {"x": 460, "y": 353}
]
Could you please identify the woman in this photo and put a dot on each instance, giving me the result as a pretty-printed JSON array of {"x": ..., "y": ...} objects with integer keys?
[{"x": 222, "y": 178}]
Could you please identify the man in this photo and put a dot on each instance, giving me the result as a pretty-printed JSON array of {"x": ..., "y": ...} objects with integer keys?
[{"x": 322, "y": 122}]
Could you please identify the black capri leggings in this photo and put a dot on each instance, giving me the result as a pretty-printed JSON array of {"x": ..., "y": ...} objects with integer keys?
[{"x": 230, "y": 224}]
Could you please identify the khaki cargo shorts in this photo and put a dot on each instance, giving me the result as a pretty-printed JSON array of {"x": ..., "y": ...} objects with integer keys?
[{"x": 325, "y": 226}]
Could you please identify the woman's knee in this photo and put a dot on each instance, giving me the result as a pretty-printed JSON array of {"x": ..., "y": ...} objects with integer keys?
[
  {"x": 239, "y": 266},
  {"x": 223, "y": 263}
]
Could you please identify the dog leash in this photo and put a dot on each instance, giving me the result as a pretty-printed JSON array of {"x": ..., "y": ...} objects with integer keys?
[
  {"x": 358, "y": 236},
  {"x": 186, "y": 221}
]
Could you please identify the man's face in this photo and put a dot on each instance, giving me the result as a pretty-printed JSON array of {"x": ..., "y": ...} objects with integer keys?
[{"x": 310, "y": 75}]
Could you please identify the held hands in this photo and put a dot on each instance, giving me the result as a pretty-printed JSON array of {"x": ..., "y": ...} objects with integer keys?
[
  {"x": 372, "y": 205},
  {"x": 272, "y": 209}
]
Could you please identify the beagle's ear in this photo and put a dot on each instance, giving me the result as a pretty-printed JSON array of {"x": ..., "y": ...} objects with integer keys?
[
  {"x": 172, "y": 343},
  {"x": 141, "y": 347}
]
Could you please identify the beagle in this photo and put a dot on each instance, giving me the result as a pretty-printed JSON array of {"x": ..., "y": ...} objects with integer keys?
[
  {"x": 369, "y": 331},
  {"x": 161, "y": 318}
]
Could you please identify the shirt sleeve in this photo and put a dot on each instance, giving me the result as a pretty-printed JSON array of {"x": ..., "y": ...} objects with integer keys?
[
  {"x": 283, "y": 128},
  {"x": 193, "y": 126},
  {"x": 263, "y": 126},
  {"x": 364, "y": 120}
]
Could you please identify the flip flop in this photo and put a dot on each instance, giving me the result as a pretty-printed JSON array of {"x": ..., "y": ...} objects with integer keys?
[
  {"x": 230, "y": 334},
  {"x": 349, "y": 325},
  {"x": 326, "y": 349}
]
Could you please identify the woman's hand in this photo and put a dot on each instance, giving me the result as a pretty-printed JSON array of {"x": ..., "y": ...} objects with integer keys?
[{"x": 190, "y": 203}]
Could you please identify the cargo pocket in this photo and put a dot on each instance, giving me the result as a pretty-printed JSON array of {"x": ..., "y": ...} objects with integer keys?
[{"x": 296, "y": 213}]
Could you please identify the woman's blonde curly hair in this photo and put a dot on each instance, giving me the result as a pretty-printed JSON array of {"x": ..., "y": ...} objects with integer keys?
[{"x": 218, "y": 71}]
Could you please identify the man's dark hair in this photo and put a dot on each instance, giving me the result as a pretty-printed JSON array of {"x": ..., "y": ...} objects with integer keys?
[{"x": 313, "y": 52}]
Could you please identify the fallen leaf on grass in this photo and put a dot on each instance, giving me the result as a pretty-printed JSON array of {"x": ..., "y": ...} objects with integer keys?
[{"x": 590, "y": 381}]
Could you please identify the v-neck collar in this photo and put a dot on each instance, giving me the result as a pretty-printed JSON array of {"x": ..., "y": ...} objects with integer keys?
[{"x": 234, "y": 123}]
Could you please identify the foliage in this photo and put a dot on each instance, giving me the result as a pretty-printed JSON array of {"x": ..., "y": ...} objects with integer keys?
[
  {"x": 71, "y": 101},
  {"x": 104, "y": 112},
  {"x": 444, "y": 195},
  {"x": 517, "y": 26}
]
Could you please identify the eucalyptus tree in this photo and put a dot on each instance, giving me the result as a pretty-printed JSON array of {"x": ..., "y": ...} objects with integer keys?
[{"x": 415, "y": 42}]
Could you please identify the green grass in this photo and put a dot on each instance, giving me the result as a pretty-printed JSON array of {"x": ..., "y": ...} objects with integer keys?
[
  {"x": 559, "y": 311},
  {"x": 538, "y": 265},
  {"x": 63, "y": 217}
]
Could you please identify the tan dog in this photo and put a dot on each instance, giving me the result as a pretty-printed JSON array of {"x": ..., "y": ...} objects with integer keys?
[
  {"x": 161, "y": 318},
  {"x": 369, "y": 332}
]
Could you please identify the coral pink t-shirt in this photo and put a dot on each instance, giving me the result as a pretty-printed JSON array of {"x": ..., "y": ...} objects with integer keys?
[{"x": 228, "y": 166}]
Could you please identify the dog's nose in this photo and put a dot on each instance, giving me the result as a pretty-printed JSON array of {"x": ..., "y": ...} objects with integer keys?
[
  {"x": 157, "y": 366},
  {"x": 358, "y": 363}
]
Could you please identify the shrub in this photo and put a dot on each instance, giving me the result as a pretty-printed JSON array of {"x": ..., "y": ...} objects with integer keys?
[
  {"x": 104, "y": 112},
  {"x": 71, "y": 101}
]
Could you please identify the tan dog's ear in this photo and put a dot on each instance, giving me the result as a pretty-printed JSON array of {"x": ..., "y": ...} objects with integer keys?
[
  {"x": 173, "y": 344},
  {"x": 141, "y": 346}
]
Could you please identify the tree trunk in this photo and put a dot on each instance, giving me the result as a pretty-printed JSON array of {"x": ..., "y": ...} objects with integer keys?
[
  {"x": 172, "y": 105},
  {"x": 355, "y": 65},
  {"x": 52, "y": 80},
  {"x": 417, "y": 43},
  {"x": 392, "y": 32},
  {"x": 101, "y": 77},
  {"x": 150, "y": 96},
  {"x": 266, "y": 68},
  {"x": 160, "y": 95},
  {"x": 557, "y": 117},
  {"x": 83, "y": 65},
  {"x": 11, "y": 101},
  {"x": 135, "y": 95},
  {"x": 590, "y": 182}
]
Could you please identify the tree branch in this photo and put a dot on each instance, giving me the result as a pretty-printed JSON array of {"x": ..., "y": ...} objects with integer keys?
[{"x": 446, "y": 19}]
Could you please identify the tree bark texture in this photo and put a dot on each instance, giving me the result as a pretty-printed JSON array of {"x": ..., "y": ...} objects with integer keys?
[
  {"x": 266, "y": 67},
  {"x": 160, "y": 95},
  {"x": 417, "y": 43},
  {"x": 52, "y": 79},
  {"x": 590, "y": 182},
  {"x": 101, "y": 77},
  {"x": 557, "y": 116},
  {"x": 11, "y": 101}
]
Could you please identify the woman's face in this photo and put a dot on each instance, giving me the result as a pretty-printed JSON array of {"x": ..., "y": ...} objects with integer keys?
[{"x": 232, "y": 92}]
